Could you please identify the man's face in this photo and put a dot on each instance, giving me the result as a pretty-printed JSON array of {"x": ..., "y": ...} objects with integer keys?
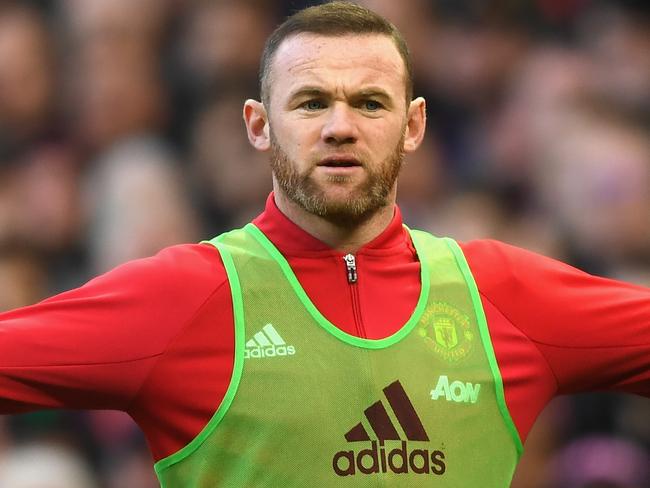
[{"x": 337, "y": 119}]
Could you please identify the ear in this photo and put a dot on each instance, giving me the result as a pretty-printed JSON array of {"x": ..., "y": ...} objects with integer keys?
[
  {"x": 257, "y": 125},
  {"x": 415, "y": 124}
]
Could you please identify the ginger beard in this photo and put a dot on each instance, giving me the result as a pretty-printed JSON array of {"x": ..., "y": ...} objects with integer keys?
[{"x": 363, "y": 200}]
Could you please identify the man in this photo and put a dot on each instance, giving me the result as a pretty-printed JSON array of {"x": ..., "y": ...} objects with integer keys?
[{"x": 325, "y": 344}]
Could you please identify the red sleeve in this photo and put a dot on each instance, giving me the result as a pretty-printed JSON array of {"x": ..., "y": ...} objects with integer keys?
[
  {"x": 94, "y": 347},
  {"x": 593, "y": 333}
]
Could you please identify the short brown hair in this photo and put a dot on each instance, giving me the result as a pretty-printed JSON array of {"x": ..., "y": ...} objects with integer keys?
[{"x": 332, "y": 19}]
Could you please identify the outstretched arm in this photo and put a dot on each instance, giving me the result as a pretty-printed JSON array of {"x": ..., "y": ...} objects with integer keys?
[{"x": 93, "y": 347}]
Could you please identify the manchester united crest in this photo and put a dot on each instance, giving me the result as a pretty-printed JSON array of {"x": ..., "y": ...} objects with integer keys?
[{"x": 447, "y": 331}]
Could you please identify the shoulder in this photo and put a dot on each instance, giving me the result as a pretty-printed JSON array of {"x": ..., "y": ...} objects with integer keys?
[
  {"x": 201, "y": 261},
  {"x": 494, "y": 264},
  {"x": 525, "y": 285},
  {"x": 550, "y": 299},
  {"x": 176, "y": 271}
]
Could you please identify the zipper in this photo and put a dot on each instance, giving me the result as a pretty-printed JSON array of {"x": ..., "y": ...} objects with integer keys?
[
  {"x": 351, "y": 271},
  {"x": 351, "y": 267}
]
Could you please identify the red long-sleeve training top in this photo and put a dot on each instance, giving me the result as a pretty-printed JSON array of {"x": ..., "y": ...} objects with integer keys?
[{"x": 155, "y": 337}]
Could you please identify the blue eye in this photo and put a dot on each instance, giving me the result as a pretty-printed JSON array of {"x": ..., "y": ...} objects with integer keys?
[
  {"x": 372, "y": 105},
  {"x": 313, "y": 105}
]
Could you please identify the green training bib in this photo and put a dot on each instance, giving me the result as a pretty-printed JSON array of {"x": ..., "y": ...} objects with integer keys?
[{"x": 311, "y": 406}]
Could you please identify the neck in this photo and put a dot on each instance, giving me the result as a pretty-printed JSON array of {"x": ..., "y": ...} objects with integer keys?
[{"x": 346, "y": 238}]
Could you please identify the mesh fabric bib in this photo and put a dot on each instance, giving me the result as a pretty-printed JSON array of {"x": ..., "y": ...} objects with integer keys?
[{"x": 311, "y": 406}]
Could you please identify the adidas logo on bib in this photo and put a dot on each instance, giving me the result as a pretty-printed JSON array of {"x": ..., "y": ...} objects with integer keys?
[
  {"x": 267, "y": 343},
  {"x": 403, "y": 451}
]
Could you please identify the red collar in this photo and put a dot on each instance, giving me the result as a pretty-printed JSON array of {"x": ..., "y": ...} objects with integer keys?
[{"x": 292, "y": 240}]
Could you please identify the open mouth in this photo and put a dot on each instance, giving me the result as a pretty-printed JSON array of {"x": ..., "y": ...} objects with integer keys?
[{"x": 339, "y": 163}]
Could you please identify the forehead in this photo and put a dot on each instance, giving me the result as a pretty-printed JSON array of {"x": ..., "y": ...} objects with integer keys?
[{"x": 353, "y": 59}]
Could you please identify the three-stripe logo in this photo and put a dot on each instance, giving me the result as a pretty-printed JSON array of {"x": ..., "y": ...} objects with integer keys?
[
  {"x": 381, "y": 423},
  {"x": 379, "y": 457},
  {"x": 267, "y": 343}
]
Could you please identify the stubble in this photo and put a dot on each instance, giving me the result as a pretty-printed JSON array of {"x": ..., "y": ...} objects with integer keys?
[{"x": 363, "y": 200}]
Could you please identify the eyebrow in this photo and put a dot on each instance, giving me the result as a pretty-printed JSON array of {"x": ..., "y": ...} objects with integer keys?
[
  {"x": 307, "y": 91},
  {"x": 373, "y": 93},
  {"x": 319, "y": 92}
]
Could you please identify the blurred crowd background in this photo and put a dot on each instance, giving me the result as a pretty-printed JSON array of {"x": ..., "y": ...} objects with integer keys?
[{"x": 121, "y": 133}]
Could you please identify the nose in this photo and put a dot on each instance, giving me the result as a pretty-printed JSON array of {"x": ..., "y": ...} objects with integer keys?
[{"x": 340, "y": 127}]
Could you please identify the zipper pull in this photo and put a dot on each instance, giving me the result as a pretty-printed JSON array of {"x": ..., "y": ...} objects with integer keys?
[{"x": 351, "y": 266}]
